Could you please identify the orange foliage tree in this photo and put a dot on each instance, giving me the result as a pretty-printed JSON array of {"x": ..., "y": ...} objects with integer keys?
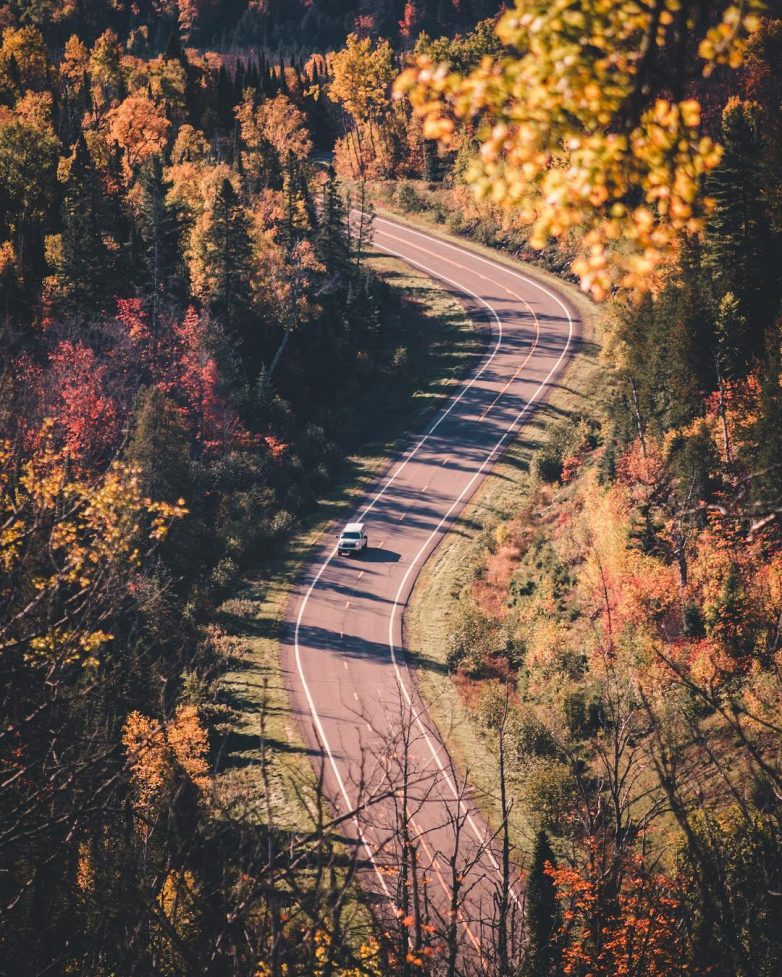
[
  {"x": 633, "y": 932},
  {"x": 157, "y": 751},
  {"x": 140, "y": 127}
]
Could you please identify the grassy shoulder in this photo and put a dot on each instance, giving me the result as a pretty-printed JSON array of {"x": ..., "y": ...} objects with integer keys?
[
  {"x": 261, "y": 744},
  {"x": 452, "y": 565}
]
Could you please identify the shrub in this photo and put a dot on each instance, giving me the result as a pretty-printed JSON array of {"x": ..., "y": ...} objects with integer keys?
[
  {"x": 195, "y": 689},
  {"x": 692, "y": 621},
  {"x": 492, "y": 705},
  {"x": 472, "y": 635},
  {"x": 583, "y": 713},
  {"x": 282, "y": 523},
  {"x": 224, "y": 574},
  {"x": 400, "y": 358},
  {"x": 406, "y": 198},
  {"x": 548, "y": 792},
  {"x": 547, "y": 464},
  {"x": 569, "y": 440},
  {"x": 529, "y": 737}
]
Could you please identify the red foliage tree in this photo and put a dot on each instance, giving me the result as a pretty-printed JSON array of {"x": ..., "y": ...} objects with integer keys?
[{"x": 73, "y": 390}]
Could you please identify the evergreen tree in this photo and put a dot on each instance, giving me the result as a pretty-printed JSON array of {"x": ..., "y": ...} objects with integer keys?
[
  {"x": 543, "y": 916},
  {"x": 239, "y": 81},
  {"x": 225, "y": 99},
  {"x": 159, "y": 446},
  {"x": 730, "y": 331},
  {"x": 226, "y": 257},
  {"x": 159, "y": 227},
  {"x": 283, "y": 83},
  {"x": 252, "y": 77},
  {"x": 267, "y": 82},
  {"x": 174, "y": 49},
  {"x": 84, "y": 264},
  {"x": 767, "y": 465},
  {"x": 739, "y": 251},
  {"x": 332, "y": 242},
  {"x": 300, "y": 214},
  {"x": 363, "y": 233}
]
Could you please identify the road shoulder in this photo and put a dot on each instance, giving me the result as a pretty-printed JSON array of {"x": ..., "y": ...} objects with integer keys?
[{"x": 451, "y": 565}]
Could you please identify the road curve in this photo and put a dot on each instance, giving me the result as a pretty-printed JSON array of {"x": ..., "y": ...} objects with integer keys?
[{"x": 342, "y": 648}]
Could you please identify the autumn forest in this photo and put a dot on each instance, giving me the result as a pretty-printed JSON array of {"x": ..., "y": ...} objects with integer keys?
[{"x": 199, "y": 343}]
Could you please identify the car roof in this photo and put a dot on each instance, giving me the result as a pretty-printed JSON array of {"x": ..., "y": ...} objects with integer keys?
[{"x": 354, "y": 527}]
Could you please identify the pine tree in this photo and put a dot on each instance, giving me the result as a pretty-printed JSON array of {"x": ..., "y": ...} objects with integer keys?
[
  {"x": 730, "y": 329},
  {"x": 159, "y": 446},
  {"x": 332, "y": 241},
  {"x": 158, "y": 224},
  {"x": 300, "y": 214},
  {"x": 84, "y": 263},
  {"x": 174, "y": 49},
  {"x": 225, "y": 99},
  {"x": 767, "y": 483},
  {"x": 738, "y": 251},
  {"x": 252, "y": 81},
  {"x": 240, "y": 82},
  {"x": 543, "y": 917},
  {"x": 363, "y": 234},
  {"x": 283, "y": 86},
  {"x": 226, "y": 257},
  {"x": 264, "y": 397}
]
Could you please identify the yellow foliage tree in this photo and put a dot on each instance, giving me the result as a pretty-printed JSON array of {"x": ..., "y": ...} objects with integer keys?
[
  {"x": 275, "y": 123},
  {"x": 25, "y": 50},
  {"x": 66, "y": 543},
  {"x": 74, "y": 62},
  {"x": 156, "y": 750},
  {"x": 361, "y": 79},
  {"x": 585, "y": 130},
  {"x": 105, "y": 71}
]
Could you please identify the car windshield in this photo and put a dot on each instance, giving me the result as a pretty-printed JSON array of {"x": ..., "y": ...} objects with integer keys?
[{"x": 351, "y": 535}]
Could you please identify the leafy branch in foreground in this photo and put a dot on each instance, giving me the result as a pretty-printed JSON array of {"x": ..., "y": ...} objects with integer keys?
[{"x": 593, "y": 125}]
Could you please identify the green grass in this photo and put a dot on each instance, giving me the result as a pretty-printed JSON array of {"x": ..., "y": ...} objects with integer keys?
[{"x": 253, "y": 684}]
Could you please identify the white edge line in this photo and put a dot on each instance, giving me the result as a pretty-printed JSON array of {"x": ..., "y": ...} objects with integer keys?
[
  {"x": 511, "y": 427},
  {"x": 392, "y": 478}
]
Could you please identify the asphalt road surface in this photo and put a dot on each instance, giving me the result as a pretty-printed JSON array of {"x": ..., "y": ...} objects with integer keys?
[{"x": 343, "y": 652}]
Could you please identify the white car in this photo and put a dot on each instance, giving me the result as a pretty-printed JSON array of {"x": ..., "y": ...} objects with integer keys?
[{"x": 352, "y": 539}]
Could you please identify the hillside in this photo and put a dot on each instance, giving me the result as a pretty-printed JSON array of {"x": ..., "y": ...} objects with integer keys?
[{"x": 198, "y": 347}]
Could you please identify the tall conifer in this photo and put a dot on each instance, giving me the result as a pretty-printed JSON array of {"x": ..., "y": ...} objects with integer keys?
[
  {"x": 738, "y": 252},
  {"x": 159, "y": 227},
  {"x": 84, "y": 264},
  {"x": 543, "y": 916}
]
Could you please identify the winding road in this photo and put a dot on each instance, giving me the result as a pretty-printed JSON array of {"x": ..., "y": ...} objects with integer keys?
[{"x": 343, "y": 652}]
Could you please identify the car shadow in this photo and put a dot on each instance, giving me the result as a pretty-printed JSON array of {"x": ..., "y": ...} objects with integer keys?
[{"x": 377, "y": 555}]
